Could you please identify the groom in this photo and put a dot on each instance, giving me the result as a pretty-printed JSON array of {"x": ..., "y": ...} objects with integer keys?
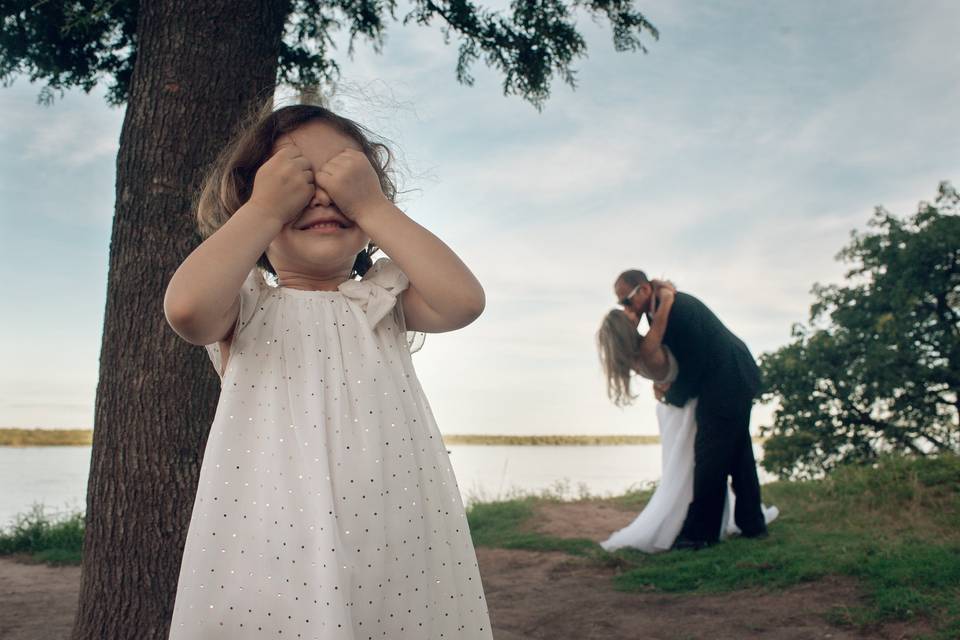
[{"x": 716, "y": 367}]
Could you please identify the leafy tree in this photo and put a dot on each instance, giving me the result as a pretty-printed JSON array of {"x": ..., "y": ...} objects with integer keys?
[
  {"x": 877, "y": 368},
  {"x": 76, "y": 43},
  {"x": 188, "y": 72}
]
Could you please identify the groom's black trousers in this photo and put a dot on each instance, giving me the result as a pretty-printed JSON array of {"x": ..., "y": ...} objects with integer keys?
[{"x": 723, "y": 448}]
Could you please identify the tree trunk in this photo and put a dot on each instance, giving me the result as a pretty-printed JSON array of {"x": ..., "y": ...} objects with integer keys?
[{"x": 200, "y": 65}]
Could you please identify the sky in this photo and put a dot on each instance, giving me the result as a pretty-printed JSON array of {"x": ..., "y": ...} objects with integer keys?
[{"x": 734, "y": 158}]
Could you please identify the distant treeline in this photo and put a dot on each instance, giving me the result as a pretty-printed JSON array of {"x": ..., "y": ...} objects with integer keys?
[
  {"x": 550, "y": 440},
  {"x": 555, "y": 440},
  {"x": 52, "y": 437},
  {"x": 45, "y": 437},
  {"x": 60, "y": 437}
]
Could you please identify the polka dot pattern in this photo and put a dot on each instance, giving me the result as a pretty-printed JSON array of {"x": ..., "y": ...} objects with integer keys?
[{"x": 327, "y": 507}]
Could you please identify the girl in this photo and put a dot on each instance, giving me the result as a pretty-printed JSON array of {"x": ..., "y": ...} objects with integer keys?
[
  {"x": 327, "y": 507},
  {"x": 623, "y": 352}
]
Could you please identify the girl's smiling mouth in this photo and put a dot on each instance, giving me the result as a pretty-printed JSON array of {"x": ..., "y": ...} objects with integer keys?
[{"x": 325, "y": 224}]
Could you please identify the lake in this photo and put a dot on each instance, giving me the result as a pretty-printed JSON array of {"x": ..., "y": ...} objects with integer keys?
[{"x": 57, "y": 476}]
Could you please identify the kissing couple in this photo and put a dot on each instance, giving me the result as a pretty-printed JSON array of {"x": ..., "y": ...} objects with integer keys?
[{"x": 706, "y": 381}]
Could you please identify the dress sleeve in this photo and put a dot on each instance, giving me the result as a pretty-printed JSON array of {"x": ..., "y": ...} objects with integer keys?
[
  {"x": 250, "y": 292},
  {"x": 379, "y": 294},
  {"x": 376, "y": 293},
  {"x": 386, "y": 275}
]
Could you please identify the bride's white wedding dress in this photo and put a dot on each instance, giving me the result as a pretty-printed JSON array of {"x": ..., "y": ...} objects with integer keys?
[{"x": 657, "y": 526}]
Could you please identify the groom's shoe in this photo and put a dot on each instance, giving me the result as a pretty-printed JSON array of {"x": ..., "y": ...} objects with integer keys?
[
  {"x": 762, "y": 534},
  {"x": 684, "y": 543}
]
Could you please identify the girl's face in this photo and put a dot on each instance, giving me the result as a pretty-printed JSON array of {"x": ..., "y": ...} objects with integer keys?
[{"x": 320, "y": 242}]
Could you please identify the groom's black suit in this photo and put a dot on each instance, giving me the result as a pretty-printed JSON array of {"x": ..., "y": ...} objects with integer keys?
[{"x": 716, "y": 367}]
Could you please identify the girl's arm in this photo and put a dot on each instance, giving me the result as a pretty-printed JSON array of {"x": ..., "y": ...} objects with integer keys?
[
  {"x": 202, "y": 300},
  {"x": 443, "y": 294},
  {"x": 651, "y": 352}
]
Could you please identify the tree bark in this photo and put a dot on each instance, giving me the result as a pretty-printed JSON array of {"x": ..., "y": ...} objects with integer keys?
[{"x": 200, "y": 66}]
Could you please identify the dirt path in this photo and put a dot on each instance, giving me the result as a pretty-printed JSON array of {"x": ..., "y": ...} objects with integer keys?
[
  {"x": 534, "y": 595},
  {"x": 548, "y": 595},
  {"x": 593, "y": 520},
  {"x": 37, "y": 602}
]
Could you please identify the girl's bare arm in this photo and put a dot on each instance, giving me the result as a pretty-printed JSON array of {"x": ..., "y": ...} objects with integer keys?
[
  {"x": 443, "y": 295},
  {"x": 202, "y": 302}
]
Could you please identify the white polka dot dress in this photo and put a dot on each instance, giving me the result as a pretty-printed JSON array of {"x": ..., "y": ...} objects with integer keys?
[{"x": 327, "y": 507}]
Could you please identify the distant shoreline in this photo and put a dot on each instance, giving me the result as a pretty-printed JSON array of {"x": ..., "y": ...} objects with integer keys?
[
  {"x": 62, "y": 437},
  {"x": 548, "y": 440},
  {"x": 84, "y": 437},
  {"x": 45, "y": 437}
]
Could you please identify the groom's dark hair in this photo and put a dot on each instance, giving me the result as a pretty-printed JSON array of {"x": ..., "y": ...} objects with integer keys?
[{"x": 633, "y": 277}]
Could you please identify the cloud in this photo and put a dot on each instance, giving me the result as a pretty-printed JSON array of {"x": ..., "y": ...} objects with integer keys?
[
  {"x": 75, "y": 131},
  {"x": 69, "y": 142},
  {"x": 734, "y": 158}
]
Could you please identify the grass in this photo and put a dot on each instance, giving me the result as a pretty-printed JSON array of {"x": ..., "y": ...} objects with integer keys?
[
  {"x": 45, "y": 437},
  {"x": 497, "y": 524},
  {"x": 894, "y": 527},
  {"x": 55, "y": 540}
]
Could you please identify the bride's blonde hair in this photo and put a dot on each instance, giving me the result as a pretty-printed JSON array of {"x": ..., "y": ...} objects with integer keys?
[{"x": 618, "y": 343}]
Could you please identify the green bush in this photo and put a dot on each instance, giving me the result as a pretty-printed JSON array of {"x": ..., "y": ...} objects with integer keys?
[{"x": 54, "y": 540}]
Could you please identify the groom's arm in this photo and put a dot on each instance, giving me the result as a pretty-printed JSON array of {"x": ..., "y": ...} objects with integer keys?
[{"x": 686, "y": 320}]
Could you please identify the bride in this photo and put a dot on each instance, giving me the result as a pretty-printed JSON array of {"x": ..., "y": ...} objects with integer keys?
[{"x": 623, "y": 352}]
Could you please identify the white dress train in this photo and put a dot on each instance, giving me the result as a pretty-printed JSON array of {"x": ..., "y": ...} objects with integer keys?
[{"x": 658, "y": 525}]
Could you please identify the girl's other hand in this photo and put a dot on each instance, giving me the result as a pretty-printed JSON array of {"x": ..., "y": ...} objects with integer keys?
[
  {"x": 284, "y": 184},
  {"x": 352, "y": 184}
]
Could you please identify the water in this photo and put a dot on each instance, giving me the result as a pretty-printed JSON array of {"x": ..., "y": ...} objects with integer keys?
[
  {"x": 57, "y": 476},
  {"x": 492, "y": 472},
  {"x": 54, "y": 476},
  {"x": 486, "y": 472}
]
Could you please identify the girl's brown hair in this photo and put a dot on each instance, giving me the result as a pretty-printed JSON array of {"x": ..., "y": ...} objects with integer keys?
[{"x": 229, "y": 183}]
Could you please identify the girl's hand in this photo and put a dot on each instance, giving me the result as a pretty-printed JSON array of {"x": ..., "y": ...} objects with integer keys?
[
  {"x": 283, "y": 185},
  {"x": 352, "y": 184}
]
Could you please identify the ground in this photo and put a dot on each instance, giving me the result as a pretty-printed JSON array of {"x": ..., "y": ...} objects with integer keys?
[
  {"x": 37, "y": 602},
  {"x": 536, "y": 594}
]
